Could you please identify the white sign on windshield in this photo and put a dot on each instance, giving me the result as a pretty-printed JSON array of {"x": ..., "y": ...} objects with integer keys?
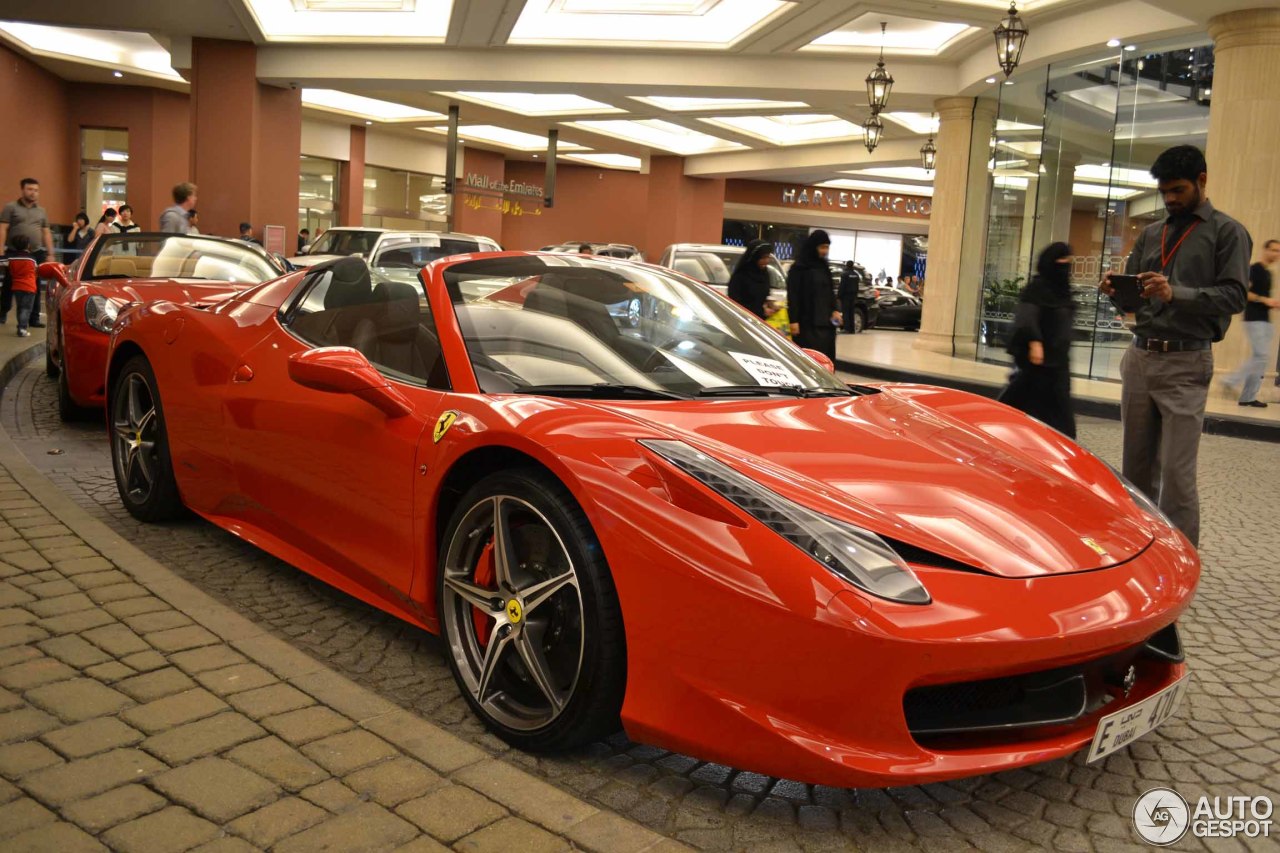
[{"x": 767, "y": 371}]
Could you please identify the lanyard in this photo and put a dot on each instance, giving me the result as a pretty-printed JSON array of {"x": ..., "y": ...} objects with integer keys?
[{"x": 1166, "y": 259}]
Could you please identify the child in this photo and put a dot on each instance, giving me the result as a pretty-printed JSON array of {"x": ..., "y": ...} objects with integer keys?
[
  {"x": 776, "y": 315},
  {"x": 22, "y": 272}
]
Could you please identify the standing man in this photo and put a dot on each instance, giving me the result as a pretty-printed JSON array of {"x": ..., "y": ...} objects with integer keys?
[
  {"x": 174, "y": 219},
  {"x": 246, "y": 233},
  {"x": 1257, "y": 325},
  {"x": 1193, "y": 268},
  {"x": 304, "y": 237},
  {"x": 24, "y": 217}
]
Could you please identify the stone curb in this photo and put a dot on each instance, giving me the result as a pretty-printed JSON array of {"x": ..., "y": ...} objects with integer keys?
[{"x": 525, "y": 795}]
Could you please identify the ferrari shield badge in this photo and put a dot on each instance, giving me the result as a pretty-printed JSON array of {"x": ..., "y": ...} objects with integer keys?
[
  {"x": 442, "y": 425},
  {"x": 1098, "y": 549}
]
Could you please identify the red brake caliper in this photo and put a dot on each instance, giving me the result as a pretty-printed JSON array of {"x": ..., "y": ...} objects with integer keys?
[{"x": 485, "y": 578}]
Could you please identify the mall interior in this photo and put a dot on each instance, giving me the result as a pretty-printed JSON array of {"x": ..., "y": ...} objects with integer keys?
[{"x": 674, "y": 122}]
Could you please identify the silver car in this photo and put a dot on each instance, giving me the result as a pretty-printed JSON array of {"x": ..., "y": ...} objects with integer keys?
[{"x": 385, "y": 246}]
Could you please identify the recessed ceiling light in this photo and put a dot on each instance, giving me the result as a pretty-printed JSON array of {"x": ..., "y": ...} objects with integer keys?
[
  {"x": 1130, "y": 47},
  {"x": 345, "y": 102},
  {"x": 506, "y": 137},
  {"x": 366, "y": 121},
  {"x": 660, "y": 134},
  {"x": 991, "y": 79},
  {"x": 681, "y": 104},
  {"x": 1113, "y": 42},
  {"x": 535, "y": 104},
  {"x": 1008, "y": 82},
  {"x": 681, "y": 24},
  {"x": 613, "y": 161},
  {"x": 790, "y": 129},
  {"x": 116, "y": 74}
]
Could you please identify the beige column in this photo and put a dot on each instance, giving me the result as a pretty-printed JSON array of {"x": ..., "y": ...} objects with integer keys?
[
  {"x": 957, "y": 227},
  {"x": 1243, "y": 154}
]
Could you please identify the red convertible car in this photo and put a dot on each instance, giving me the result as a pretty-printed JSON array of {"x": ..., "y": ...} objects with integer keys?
[
  {"x": 688, "y": 526},
  {"x": 133, "y": 267}
]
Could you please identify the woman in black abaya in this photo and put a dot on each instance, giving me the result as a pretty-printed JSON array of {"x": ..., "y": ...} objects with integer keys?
[
  {"x": 749, "y": 284},
  {"x": 1040, "y": 384},
  {"x": 811, "y": 298}
]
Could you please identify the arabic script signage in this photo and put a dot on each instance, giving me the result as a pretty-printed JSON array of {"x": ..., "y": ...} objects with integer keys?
[
  {"x": 504, "y": 206},
  {"x": 828, "y": 199},
  {"x": 486, "y": 184}
]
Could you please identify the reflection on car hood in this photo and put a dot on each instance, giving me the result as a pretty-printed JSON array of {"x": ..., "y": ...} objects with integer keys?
[
  {"x": 177, "y": 290},
  {"x": 312, "y": 260},
  {"x": 1012, "y": 498}
]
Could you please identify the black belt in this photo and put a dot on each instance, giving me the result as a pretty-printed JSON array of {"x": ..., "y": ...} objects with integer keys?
[{"x": 1157, "y": 345}]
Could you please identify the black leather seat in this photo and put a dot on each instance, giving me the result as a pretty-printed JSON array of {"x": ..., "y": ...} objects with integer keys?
[
  {"x": 394, "y": 338},
  {"x": 348, "y": 299}
]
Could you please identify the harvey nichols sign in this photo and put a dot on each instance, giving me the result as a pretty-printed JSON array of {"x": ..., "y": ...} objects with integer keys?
[{"x": 832, "y": 199}]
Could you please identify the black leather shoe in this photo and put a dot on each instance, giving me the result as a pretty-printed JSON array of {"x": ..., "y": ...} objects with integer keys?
[
  {"x": 1257, "y": 404},
  {"x": 36, "y": 325}
]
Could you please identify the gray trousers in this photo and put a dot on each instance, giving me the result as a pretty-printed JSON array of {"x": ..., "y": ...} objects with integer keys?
[{"x": 1162, "y": 412}]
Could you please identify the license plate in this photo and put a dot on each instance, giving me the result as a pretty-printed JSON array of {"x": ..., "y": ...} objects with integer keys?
[{"x": 1118, "y": 730}]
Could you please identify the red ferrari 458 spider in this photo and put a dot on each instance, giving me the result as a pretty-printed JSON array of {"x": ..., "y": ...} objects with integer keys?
[
  {"x": 117, "y": 269},
  {"x": 684, "y": 524}
]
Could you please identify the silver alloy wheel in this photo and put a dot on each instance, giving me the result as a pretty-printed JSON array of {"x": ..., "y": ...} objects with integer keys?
[
  {"x": 517, "y": 637},
  {"x": 633, "y": 312},
  {"x": 133, "y": 430},
  {"x": 858, "y": 322}
]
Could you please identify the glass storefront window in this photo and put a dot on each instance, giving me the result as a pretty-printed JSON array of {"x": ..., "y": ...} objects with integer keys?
[
  {"x": 318, "y": 188},
  {"x": 104, "y": 170},
  {"x": 1071, "y": 151},
  {"x": 395, "y": 198}
]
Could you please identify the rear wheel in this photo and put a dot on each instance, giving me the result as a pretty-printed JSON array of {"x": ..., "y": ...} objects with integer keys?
[
  {"x": 140, "y": 445},
  {"x": 859, "y": 320},
  {"x": 530, "y": 615}
]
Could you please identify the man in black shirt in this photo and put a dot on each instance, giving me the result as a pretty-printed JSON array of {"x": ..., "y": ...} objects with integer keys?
[
  {"x": 1193, "y": 268},
  {"x": 1257, "y": 325}
]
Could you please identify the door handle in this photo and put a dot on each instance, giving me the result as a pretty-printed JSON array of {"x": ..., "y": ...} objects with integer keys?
[{"x": 243, "y": 373}]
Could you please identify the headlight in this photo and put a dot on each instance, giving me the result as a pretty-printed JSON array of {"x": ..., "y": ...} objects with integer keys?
[
  {"x": 101, "y": 312},
  {"x": 1144, "y": 503},
  {"x": 858, "y": 556}
]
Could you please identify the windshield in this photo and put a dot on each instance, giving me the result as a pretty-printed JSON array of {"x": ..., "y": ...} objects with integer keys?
[
  {"x": 140, "y": 256},
  {"x": 568, "y": 320},
  {"x": 334, "y": 242},
  {"x": 409, "y": 254}
]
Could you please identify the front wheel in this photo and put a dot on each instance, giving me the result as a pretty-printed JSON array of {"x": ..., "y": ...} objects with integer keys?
[
  {"x": 140, "y": 445},
  {"x": 68, "y": 409},
  {"x": 529, "y": 613},
  {"x": 859, "y": 320}
]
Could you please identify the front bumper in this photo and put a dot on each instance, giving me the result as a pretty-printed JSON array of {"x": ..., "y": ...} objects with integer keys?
[{"x": 803, "y": 685}]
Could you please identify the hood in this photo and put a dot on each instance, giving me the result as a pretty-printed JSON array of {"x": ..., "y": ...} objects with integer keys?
[
  {"x": 177, "y": 290},
  {"x": 1012, "y": 498}
]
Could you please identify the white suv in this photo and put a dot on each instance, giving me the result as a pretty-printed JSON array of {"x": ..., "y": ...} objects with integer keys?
[
  {"x": 713, "y": 264},
  {"x": 373, "y": 244}
]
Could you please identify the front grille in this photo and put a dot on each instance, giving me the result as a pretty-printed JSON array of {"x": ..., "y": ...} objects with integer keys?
[{"x": 1037, "y": 699}]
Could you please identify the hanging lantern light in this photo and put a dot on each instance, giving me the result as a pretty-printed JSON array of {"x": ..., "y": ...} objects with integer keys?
[
  {"x": 879, "y": 81},
  {"x": 929, "y": 151},
  {"x": 1011, "y": 37},
  {"x": 872, "y": 129}
]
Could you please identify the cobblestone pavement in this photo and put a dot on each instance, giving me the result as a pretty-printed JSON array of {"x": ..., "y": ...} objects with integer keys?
[
  {"x": 1223, "y": 742},
  {"x": 125, "y": 722}
]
